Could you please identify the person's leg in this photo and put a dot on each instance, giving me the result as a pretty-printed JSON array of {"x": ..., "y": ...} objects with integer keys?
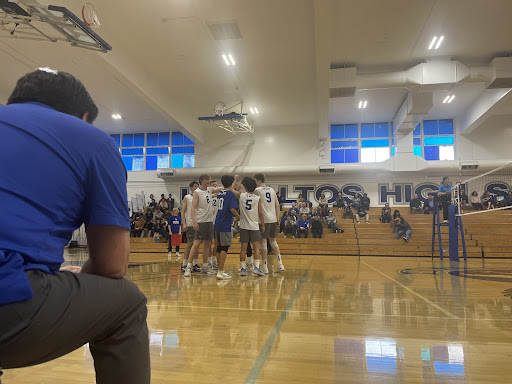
[
  {"x": 357, "y": 218},
  {"x": 69, "y": 310},
  {"x": 408, "y": 234},
  {"x": 194, "y": 252},
  {"x": 306, "y": 233},
  {"x": 367, "y": 217},
  {"x": 399, "y": 233}
]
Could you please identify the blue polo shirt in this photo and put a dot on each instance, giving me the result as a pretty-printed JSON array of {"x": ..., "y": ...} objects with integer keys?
[
  {"x": 445, "y": 188},
  {"x": 226, "y": 200},
  {"x": 56, "y": 172}
]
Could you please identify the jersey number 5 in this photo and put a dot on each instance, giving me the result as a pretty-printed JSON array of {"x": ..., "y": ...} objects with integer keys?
[{"x": 248, "y": 205}]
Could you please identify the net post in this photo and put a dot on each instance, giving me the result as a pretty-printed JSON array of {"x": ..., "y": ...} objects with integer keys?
[{"x": 453, "y": 233}]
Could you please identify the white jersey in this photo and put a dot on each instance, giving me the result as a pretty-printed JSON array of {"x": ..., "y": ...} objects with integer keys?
[
  {"x": 188, "y": 213},
  {"x": 215, "y": 208},
  {"x": 268, "y": 201},
  {"x": 204, "y": 206},
  {"x": 249, "y": 211}
]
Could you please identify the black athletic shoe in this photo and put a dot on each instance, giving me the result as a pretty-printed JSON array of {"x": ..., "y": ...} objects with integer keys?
[
  {"x": 196, "y": 268},
  {"x": 183, "y": 267}
]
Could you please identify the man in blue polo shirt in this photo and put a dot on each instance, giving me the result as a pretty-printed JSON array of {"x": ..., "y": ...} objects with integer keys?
[
  {"x": 227, "y": 204},
  {"x": 444, "y": 194},
  {"x": 60, "y": 171}
]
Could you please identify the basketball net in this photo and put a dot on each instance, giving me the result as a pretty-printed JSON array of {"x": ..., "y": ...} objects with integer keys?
[{"x": 89, "y": 16}]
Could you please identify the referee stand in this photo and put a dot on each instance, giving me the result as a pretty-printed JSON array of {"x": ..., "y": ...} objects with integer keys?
[{"x": 454, "y": 226}]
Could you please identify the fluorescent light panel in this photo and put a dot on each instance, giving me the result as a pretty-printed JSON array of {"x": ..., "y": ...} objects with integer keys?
[
  {"x": 252, "y": 110},
  {"x": 433, "y": 42},
  {"x": 451, "y": 99},
  {"x": 117, "y": 116},
  {"x": 446, "y": 99},
  {"x": 439, "y": 42},
  {"x": 256, "y": 109},
  {"x": 231, "y": 59},
  {"x": 365, "y": 102},
  {"x": 226, "y": 60}
]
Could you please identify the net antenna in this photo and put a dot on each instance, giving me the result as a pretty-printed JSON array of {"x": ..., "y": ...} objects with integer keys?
[
  {"x": 234, "y": 122},
  {"x": 495, "y": 184},
  {"x": 30, "y": 20}
]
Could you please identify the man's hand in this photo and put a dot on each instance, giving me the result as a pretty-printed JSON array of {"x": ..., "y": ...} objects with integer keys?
[
  {"x": 196, "y": 226},
  {"x": 71, "y": 268},
  {"x": 185, "y": 227}
]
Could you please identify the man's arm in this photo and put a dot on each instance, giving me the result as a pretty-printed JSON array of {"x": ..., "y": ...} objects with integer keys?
[
  {"x": 260, "y": 215},
  {"x": 278, "y": 208},
  {"x": 109, "y": 250},
  {"x": 235, "y": 213},
  {"x": 183, "y": 213},
  {"x": 195, "y": 201}
]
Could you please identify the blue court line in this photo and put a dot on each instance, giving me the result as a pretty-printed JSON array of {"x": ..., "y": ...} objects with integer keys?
[{"x": 265, "y": 351}]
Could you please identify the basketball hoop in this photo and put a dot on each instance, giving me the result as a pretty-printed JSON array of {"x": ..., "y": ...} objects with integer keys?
[
  {"x": 220, "y": 108},
  {"x": 89, "y": 16}
]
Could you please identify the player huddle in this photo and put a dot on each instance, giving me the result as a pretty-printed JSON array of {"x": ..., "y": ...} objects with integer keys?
[{"x": 208, "y": 214}]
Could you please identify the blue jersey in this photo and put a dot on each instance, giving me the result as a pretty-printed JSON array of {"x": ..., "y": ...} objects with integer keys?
[
  {"x": 445, "y": 188},
  {"x": 226, "y": 200},
  {"x": 56, "y": 172},
  {"x": 175, "y": 223}
]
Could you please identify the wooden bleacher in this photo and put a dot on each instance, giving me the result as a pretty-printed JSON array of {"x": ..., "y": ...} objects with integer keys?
[{"x": 487, "y": 235}]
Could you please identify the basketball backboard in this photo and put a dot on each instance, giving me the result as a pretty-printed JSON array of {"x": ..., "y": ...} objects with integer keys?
[
  {"x": 34, "y": 21},
  {"x": 233, "y": 122}
]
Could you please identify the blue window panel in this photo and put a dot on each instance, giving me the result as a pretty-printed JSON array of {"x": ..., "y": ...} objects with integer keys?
[
  {"x": 138, "y": 163},
  {"x": 416, "y": 141},
  {"x": 163, "y": 138},
  {"x": 337, "y": 131},
  {"x": 392, "y": 130},
  {"x": 431, "y": 152},
  {"x": 368, "y": 130},
  {"x": 138, "y": 140},
  {"x": 127, "y": 160},
  {"x": 187, "y": 141},
  {"x": 152, "y": 139},
  {"x": 182, "y": 150},
  {"x": 157, "y": 151},
  {"x": 375, "y": 143},
  {"x": 417, "y": 151},
  {"x": 393, "y": 151},
  {"x": 177, "y": 138},
  {"x": 127, "y": 140},
  {"x": 151, "y": 163},
  {"x": 446, "y": 127},
  {"x": 344, "y": 144},
  {"x": 351, "y": 155},
  {"x": 177, "y": 161},
  {"x": 381, "y": 130},
  {"x": 430, "y": 128},
  {"x": 163, "y": 161},
  {"x": 117, "y": 139},
  {"x": 440, "y": 140},
  {"x": 132, "y": 151},
  {"x": 337, "y": 156},
  {"x": 188, "y": 161},
  {"x": 351, "y": 131},
  {"x": 417, "y": 130}
]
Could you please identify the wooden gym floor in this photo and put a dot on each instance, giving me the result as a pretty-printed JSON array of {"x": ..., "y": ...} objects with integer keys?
[{"x": 327, "y": 319}]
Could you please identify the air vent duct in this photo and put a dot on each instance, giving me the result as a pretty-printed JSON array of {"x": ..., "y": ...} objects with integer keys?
[
  {"x": 326, "y": 169},
  {"x": 473, "y": 166},
  {"x": 334, "y": 93},
  {"x": 168, "y": 173}
]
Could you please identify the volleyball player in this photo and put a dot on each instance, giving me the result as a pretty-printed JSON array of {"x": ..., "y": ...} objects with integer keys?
[
  {"x": 186, "y": 220},
  {"x": 271, "y": 211},
  {"x": 213, "y": 259}
]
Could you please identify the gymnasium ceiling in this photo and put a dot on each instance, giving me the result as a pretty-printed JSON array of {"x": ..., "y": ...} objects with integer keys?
[{"x": 166, "y": 69}]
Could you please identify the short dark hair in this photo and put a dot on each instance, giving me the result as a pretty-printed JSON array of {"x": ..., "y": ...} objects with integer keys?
[
  {"x": 249, "y": 184},
  {"x": 59, "y": 90},
  {"x": 227, "y": 181},
  {"x": 260, "y": 177},
  {"x": 204, "y": 176},
  {"x": 446, "y": 177},
  {"x": 192, "y": 183}
]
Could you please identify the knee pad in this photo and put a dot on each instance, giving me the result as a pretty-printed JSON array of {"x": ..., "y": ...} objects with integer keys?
[
  {"x": 263, "y": 245},
  {"x": 274, "y": 245},
  {"x": 222, "y": 248}
]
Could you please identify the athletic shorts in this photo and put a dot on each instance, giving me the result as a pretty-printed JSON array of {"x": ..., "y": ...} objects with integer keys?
[
  {"x": 247, "y": 235},
  {"x": 205, "y": 231},
  {"x": 270, "y": 231},
  {"x": 191, "y": 234},
  {"x": 224, "y": 238}
]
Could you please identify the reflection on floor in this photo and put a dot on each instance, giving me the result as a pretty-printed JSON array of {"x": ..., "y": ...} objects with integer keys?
[{"x": 327, "y": 319}]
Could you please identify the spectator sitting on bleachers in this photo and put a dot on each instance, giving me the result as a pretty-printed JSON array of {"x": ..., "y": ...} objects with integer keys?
[
  {"x": 290, "y": 226},
  {"x": 429, "y": 207},
  {"x": 415, "y": 205},
  {"x": 148, "y": 228},
  {"x": 508, "y": 200},
  {"x": 148, "y": 216},
  {"x": 488, "y": 200},
  {"x": 347, "y": 211},
  {"x": 365, "y": 201},
  {"x": 139, "y": 227},
  {"x": 317, "y": 229},
  {"x": 282, "y": 221},
  {"x": 137, "y": 214},
  {"x": 396, "y": 220},
  {"x": 404, "y": 229},
  {"x": 158, "y": 231},
  {"x": 324, "y": 205},
  {"x": 162, "y": 203},
  {"x": 305, "y": 210},
  {"x": 158, "y": 214},
  {"x": 464, "y": 200},
  {"x": 294, "y": 211},
  {"x": 361, "y": 212},
  {"x": 303, "y": 226},
  {"x": 171, "y": 202},
  {"x": 385, "y": 216},
  {"x": 332, "y": 223},
  {"x": 167, "y": 215},
  {"x": 315, "y": 211},
  {"x": 153, "y": 204},
  {"x": 356, "y": 201},
  {"x": 340, "y": 202},
  {"x": 476, "y": 202}
]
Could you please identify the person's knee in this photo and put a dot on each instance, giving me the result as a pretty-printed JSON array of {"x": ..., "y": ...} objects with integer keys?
[
  {"x": 273, "y": 244},
  {"x": 263, "y": 245}
]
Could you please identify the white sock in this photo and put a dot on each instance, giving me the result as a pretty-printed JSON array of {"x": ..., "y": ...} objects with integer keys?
[
  {"x": 210, "y": 260},
  {"x": 189, "y": 266},
  {"x": 265, "y": 262},
  {"x": 194, "y": 261},
  {"x": 242, "y": 264},
  {"x": 257, "y": 263},
  {"x": 185, "y": 262},
  {"x": 279, "y": 259},
  {"x": 250, "y": 260},
  {"x": 205, "y": 266}
]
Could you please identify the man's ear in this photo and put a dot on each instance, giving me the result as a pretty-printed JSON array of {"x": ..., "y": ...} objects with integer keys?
[{"x": 85, "y": 117}]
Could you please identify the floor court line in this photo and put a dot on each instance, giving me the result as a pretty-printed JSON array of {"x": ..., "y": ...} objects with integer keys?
[
  {"x": 414, "y": 293},
  {"x": 267, "y": 347}
]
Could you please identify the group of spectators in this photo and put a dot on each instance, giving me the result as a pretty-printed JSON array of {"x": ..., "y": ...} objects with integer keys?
[{"x": 401, "y": 227}]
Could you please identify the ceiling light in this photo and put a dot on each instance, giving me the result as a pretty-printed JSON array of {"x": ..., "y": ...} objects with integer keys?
[
  {"x": 117, "y": 116},
  {"x": 361, "y": 104},
  {"x": 432, "y": 43},
  {"x": 231, "y": 59},
  {"x": 451, "y": 99},
  {"x": 256, "y": 109},
  {"x": 226, "y": 60},
  {"x": 446, "y": 99},
  {"x": 252, "y": 110},
  {"x": 365, "y": 102},
  {"x": 439, "y": 42}
]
